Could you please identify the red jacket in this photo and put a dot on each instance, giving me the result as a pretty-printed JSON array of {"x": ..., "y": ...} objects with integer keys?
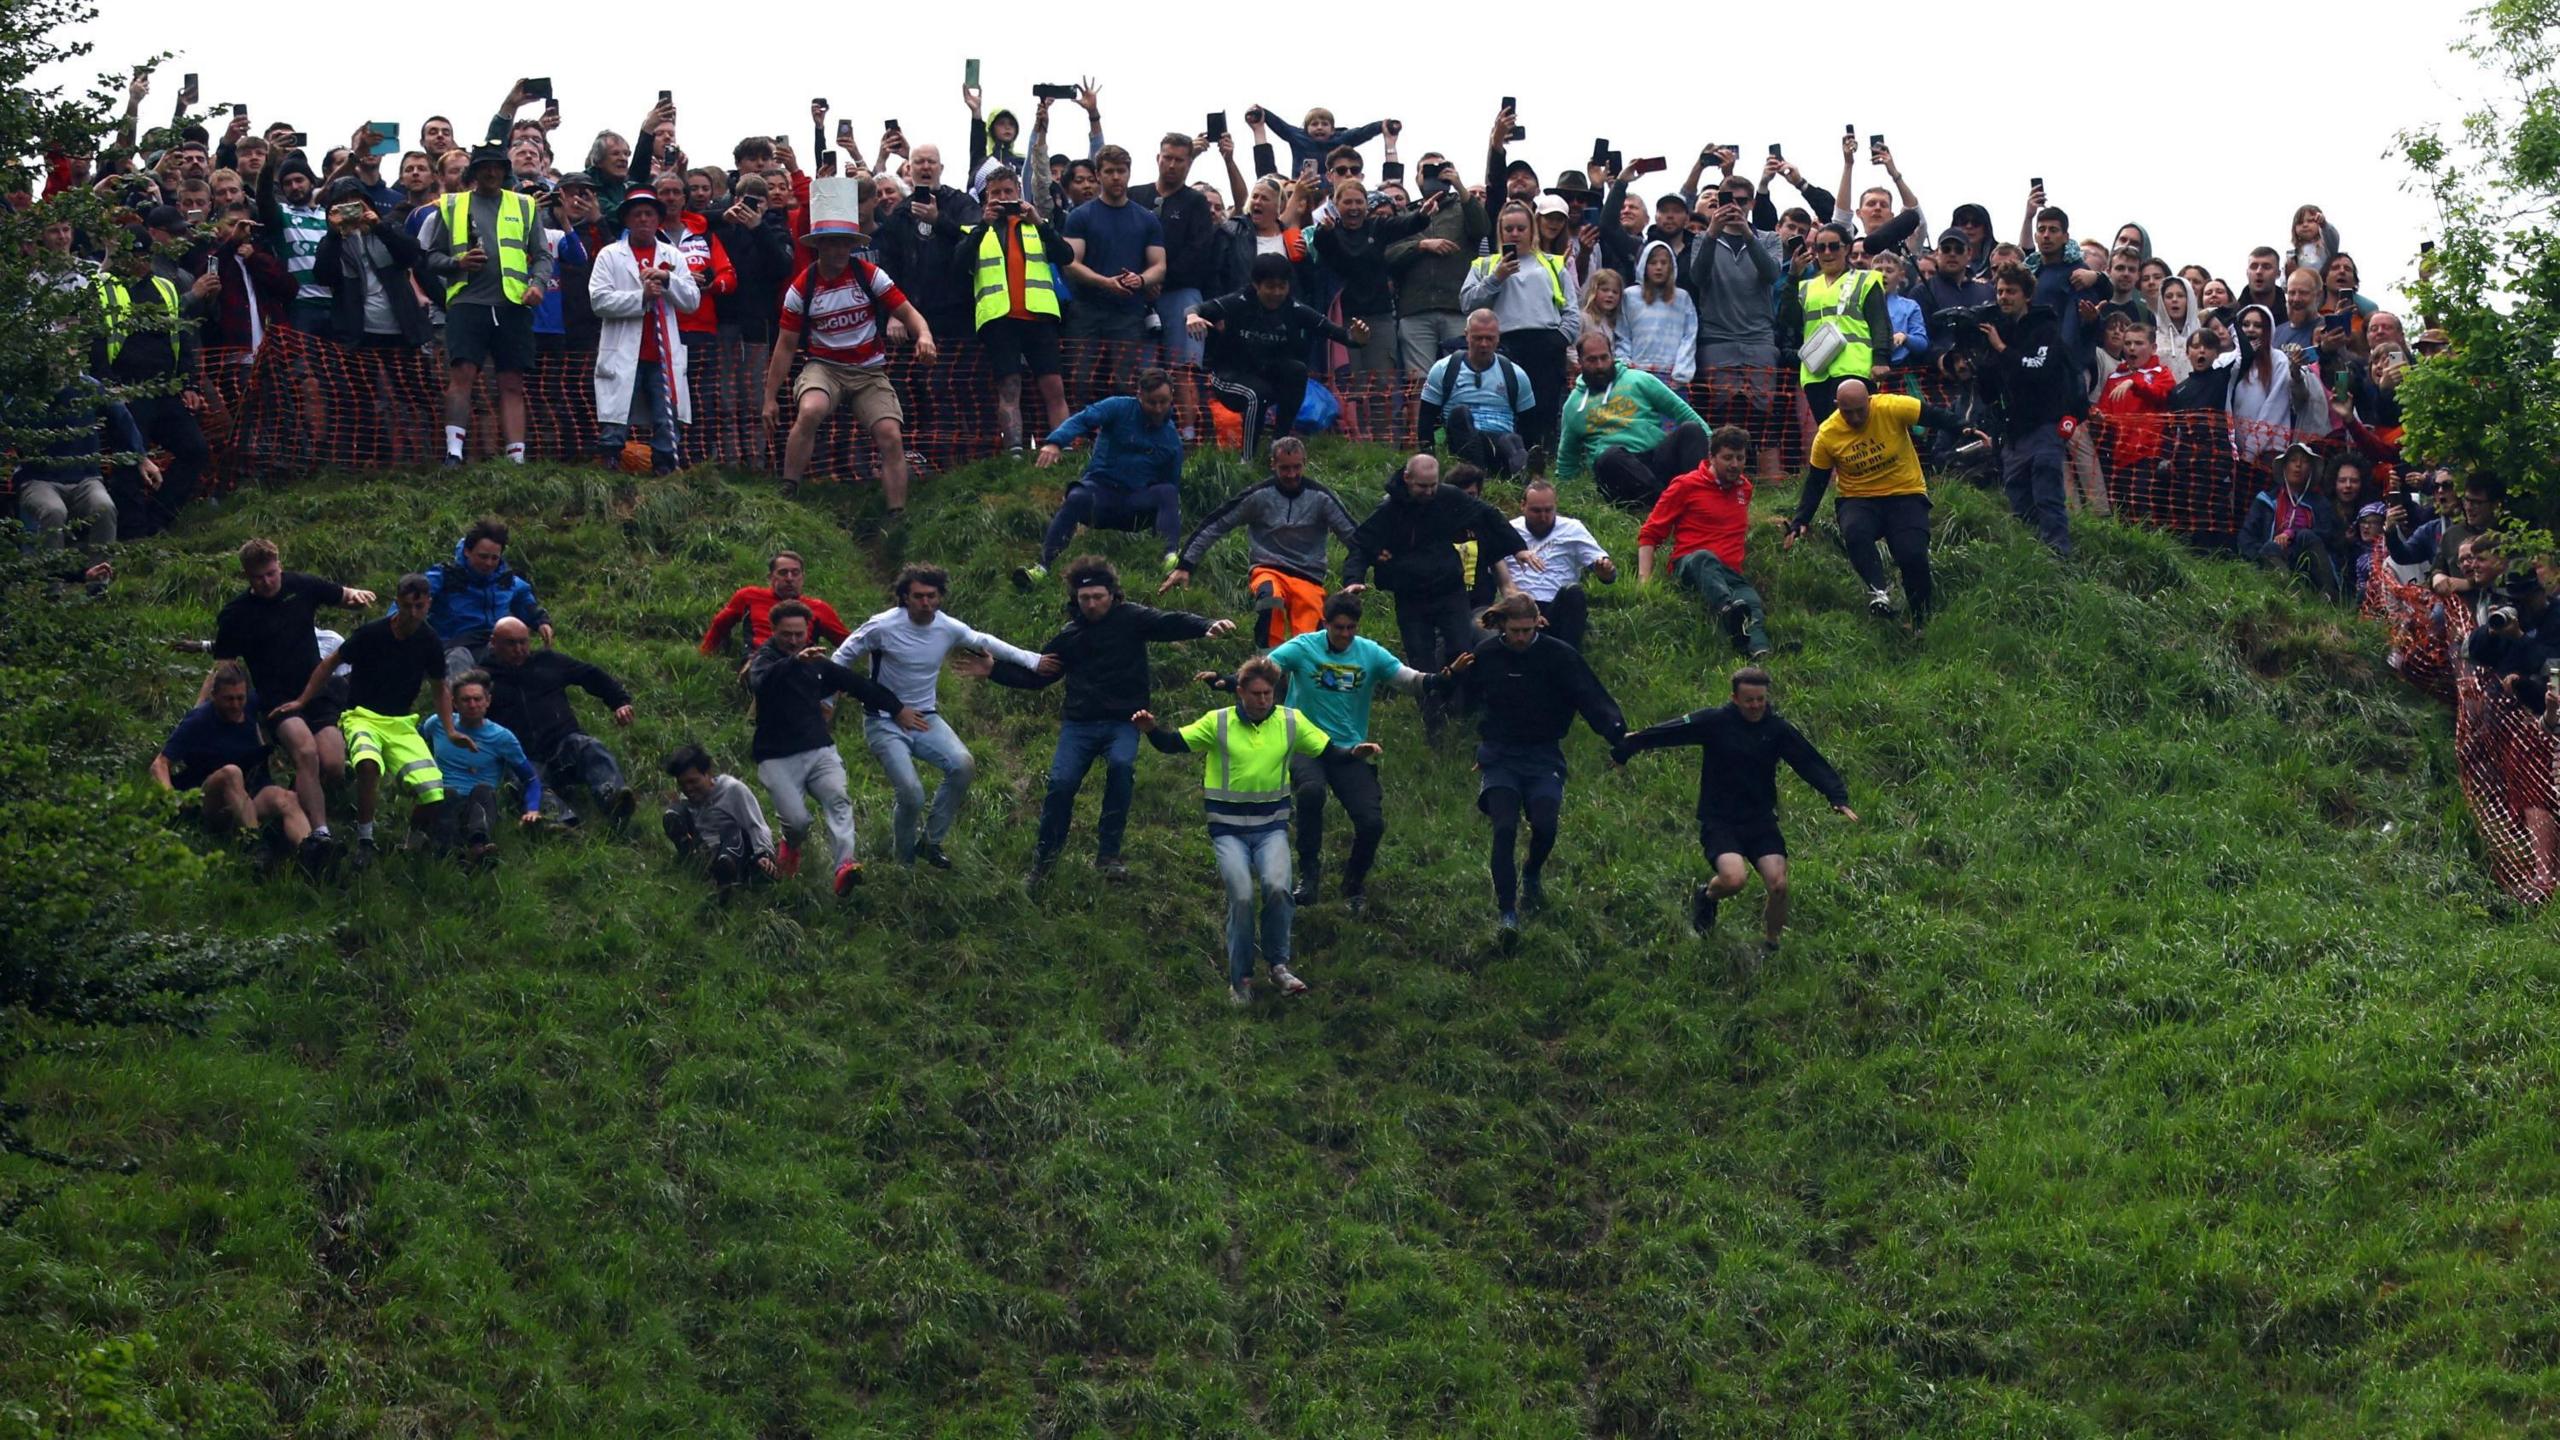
[
  {"x": 261, "y": 272},
  {"x": 2129, "y": 397},
  {"x": 1697, "y": 513},
  {"x": 709, "y": 262},
  {"x": 754, "y": 604}
]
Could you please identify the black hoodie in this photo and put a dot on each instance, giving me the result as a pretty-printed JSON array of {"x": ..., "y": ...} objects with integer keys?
[
  {"x": 1738, "y": 761},
  {"x": 1529, "y": 697},
  {"x": 1414, "y": 543},
  {"x": 2036, "y": 377},
  {"x": 1104, "y": 662}
]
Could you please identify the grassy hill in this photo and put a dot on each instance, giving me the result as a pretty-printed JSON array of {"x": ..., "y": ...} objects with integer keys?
[{"x": 2155, "y": 1059}]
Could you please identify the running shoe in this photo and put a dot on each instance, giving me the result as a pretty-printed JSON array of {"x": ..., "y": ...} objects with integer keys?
[
  {"x": 1289, "y": 983},
  {"x": 848, "y": 875},
  {"x": 1880, "y": 604}
]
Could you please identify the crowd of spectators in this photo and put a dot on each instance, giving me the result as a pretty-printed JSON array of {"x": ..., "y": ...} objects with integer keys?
[{"x": 1505, "y": 299}]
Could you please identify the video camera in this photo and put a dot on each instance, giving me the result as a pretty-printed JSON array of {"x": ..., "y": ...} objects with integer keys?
[{"x": 1962, "y": 324}]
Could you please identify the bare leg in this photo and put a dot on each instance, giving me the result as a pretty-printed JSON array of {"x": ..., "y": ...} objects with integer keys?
[
  {"x": 459, "y": 381},
  {"x": 511, "y": 415},
  {"x": 226, "y": 799},
  {"x": 1773, "y": 915},
  {"x": 1053, "y": 393},
  {"x": 892, "y": 442},
  {"x": 1009, "y": 409},
  {"x": 804, "y": 435},
  {"x": 332, "y": 745},
  {"x": 1731, "y": 875},
  {"x": 275, "y": 803},
  {"x": 368, "y": 790},
  {"x": 304, "y": 751}
]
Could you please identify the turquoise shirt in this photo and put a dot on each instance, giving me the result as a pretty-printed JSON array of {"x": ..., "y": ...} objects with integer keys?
[{"x": 1334, "y": 690}]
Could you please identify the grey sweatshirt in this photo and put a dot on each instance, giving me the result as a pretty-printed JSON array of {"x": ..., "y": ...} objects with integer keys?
[
  {"x": 488, "y": 287},
  {"x": 729, "y": 820},
  {"x": 1736, "y": 289},
  {"x": 1282, "y": 531}
]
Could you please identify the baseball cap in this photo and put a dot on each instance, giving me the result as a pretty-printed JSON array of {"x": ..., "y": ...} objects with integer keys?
[
  {"x": 1550, "y": 205},
  {"x": 1955, "y": 240}
]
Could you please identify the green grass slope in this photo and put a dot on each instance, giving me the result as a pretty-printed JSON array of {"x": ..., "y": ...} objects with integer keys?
[{"x": 2154, "y": 1060}]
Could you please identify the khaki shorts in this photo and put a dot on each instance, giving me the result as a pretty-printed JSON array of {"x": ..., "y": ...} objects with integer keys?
[{"x": 869, "y": 392}]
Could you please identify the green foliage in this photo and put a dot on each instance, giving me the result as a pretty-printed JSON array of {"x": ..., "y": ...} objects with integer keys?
[
  {"x": 98, "y": 1398},
  {"x": 2493, "y": 281},
  {"x": 2155, "y": 1059}
]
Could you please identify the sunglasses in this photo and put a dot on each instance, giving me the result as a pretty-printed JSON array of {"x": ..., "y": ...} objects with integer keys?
[
  {"x": 1825, "y": 246},
  {"x": 1346, "y": 169}
]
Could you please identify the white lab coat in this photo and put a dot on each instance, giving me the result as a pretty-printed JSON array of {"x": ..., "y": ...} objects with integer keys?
[{"x": 613, "y": 288}]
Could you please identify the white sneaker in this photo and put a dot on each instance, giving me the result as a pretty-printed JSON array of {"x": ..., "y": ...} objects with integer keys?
[
  {"x": 1289, "y": 983},
  {"x": 1240, "y": 994}
]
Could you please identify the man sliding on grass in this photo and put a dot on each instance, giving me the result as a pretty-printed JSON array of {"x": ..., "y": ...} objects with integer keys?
[{"x": 1739, "y": 747}]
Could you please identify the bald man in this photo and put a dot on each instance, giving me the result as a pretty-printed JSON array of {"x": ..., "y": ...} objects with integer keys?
[
  {"x": 1865, "y": 447},
  {"x": 1412, "y": 542},
  {"x": 529, "y": 694}
]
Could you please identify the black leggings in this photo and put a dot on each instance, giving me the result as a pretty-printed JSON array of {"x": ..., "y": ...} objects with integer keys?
[
  {"x": 1503, "y": 806},
  {"x": 1637, "y": 478},
  {"x": 1902, "y": 522},
  {"x": 1268, "y": 397},
  {"x": 1819, "y": 397},
  {"x": 1355, "y": 784}
]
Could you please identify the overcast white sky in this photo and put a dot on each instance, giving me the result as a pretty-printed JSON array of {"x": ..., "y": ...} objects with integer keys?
[{"x": 2168, "y": 131}]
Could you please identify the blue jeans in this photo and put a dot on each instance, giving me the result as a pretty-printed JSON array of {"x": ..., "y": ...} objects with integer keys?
[
  {"x": 650, "y": 407},
  {"x": 1243, "y": 860},
  {"x": 2031, "y": 470},
  {"x": 1108, "y": 507},
  {"x": 1080, "y": 743},
  {"x": 898, "y": 749},
  {"x": 581, "y": 760},
  {"x": 1172, "y": 307}
]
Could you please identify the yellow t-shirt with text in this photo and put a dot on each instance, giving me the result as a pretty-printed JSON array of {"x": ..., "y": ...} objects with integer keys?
[{"x": 1876, "y": 459}]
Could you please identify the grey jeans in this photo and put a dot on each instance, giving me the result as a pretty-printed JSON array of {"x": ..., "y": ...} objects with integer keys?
[
  {"x": 47, "y": 507},
  {"x": 792, "y": 779},
  {"x": 1422, "y": 337}
]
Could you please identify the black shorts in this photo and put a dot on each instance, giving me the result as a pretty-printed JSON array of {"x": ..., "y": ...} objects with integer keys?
[
  {"x": 493, "y": 337},
  {"x": 1015, "y": 346},
  {"x": 1753, "y": 840},
  {"x": 320, "y": 714}
]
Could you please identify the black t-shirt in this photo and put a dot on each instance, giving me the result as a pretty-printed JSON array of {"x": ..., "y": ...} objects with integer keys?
[
  {"x": 389, "y": 670},
  {"x": 273, "y": 637}
]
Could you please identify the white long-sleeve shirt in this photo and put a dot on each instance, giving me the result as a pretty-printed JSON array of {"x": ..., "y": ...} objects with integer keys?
[
  {"x": 1567, "y": 549},
  {"x": 907, "y": 657}
]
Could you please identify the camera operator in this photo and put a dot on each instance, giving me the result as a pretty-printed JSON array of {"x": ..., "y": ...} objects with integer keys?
[
  {"x": 365, "y": 266},
  {"x": 2042, "y": 401},
  {"x": 2521, "y": 638}
]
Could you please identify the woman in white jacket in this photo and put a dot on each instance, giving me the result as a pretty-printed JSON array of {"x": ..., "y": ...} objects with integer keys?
[
  {"x": 2174, "y": 313},
  {"x": 638, "y": 287},
  {"x": 2275, "y": 397}
]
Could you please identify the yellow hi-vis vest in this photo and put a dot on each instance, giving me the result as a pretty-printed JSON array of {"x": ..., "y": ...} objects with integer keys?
[
  {"x": 1484, "y": 265},
  {"x": 1844, "y": 302},
  {"x": 515, "y": 222},
  {"x": 115, "y": 304},
  {"x": 1039, "y": 283}
]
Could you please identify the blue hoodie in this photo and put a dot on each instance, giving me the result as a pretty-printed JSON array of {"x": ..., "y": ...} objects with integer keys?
[{"x": 469, "y": 605}]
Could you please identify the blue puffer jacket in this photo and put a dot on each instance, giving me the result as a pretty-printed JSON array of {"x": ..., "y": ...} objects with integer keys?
[{"x": 469, "y": 605}]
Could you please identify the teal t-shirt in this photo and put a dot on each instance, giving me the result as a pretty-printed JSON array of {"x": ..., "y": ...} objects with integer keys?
[{"x": 1334, "y": 690}]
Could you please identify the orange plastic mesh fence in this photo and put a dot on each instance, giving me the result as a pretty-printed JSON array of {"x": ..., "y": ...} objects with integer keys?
[{"x": 2507, "y": 758}]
